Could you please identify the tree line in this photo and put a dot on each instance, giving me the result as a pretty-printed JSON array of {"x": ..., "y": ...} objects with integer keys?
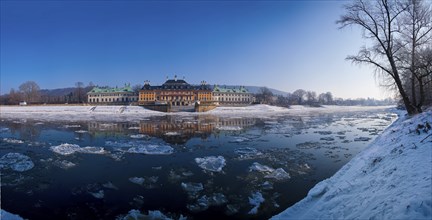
[
  {"x": 311, "y": 98},
  {"x": 401, "y": 51},
  {"x": 31, "y": 93}
]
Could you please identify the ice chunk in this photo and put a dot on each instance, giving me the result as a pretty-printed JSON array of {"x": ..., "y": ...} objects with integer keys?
[
  {"x": 72, "y": 126},
  {"x": 65, "y": 149},
  {"x": 239, "y": 140},
  {"x": 278, "y": 174},
  {"x": 12, "y": 141},
  {"x": 137, "y": 180},
  {"x": 152, "y": 215},
  {"x": 110, "y": 185},
  {"x": 81, "y": 131},
  {"x": 92, "y": 150},
  {"x": 192, "y": 187},
  {"x": 64, "y": 164},
  {"x": 172, "y": 133},
  {"x": 134, "y": 128},
  {"x": 256, "y": 199},
  {"x": 4, "y": 215},
  {"x": 323, "y": 132},
  {"x": 201, "y": 204},
  {"x": 98, "y": 195},
  {"x": 152, "y": 149},
  {"x": 16, "y": 161},
  {"x": 211, "y": 163},
  {"x": 229, "y": 128},
  {"x": 267, "y": 185},
  {"x": 247, "y": 152},
  {"x": 4, "y": 129},
  {"x": 68, "y": 149},
  {"x": 217, "y": 199},
  {"x": 260, "y": 168},
  {"x": 139, "y": 136}
]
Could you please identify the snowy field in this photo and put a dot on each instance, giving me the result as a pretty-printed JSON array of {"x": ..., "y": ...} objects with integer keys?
[
  {"x": 391, "y": 179},
  {"x": 122, "y": 113}
]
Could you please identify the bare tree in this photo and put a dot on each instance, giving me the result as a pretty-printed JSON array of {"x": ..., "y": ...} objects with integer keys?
[
  {"x": 311, "y": 97},
  {"x": 299, "y": 96},
  {"x": 30, "y": 91},
  {"x": 14, "y": 97},
  {"x": 265, "y": 96},
  {"x": 380, "y": 22},
  {"x": 416, "y": 35}
]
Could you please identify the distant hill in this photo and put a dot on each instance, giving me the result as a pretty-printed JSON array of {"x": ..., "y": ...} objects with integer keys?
[
  {"x": 57, "y": 92},
  {"x": 256, "y": 89}
]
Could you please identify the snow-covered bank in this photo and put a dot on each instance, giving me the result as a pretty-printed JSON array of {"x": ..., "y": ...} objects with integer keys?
[
  {"x": 391, "y": 179},
  {"x": 121, "y": 113}
]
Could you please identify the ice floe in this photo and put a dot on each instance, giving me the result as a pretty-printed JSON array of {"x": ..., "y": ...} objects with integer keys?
[
  {"x": 137, "y": 180},
  {"x": 152, "y": 149},
  {"x": 211, "y": 163},
  {"x": 152, "y": 215},
  {"x": 278, "y": 174},
  {"x": 204, "y": 202},
  {"x": 255, "y": 199},
  {"x": 16, "y": 161},
  {"x": 139, "y": 136},
  {"x": 172, "y": 133},
  {"x": 98, "y": 195},
  {"x": 229, "y": 128},
  {"x": 247, "y": 152},
  {"x": 81, "y": 131},
  {"x": 260, "y": 168},
  {"x": 110, "y": 185},
  {"x": 68, "y": 149},
  {"x": 12, "y": 141},
  {"x": 192, "y": 188},
  {"x": 64, "y": 164}
]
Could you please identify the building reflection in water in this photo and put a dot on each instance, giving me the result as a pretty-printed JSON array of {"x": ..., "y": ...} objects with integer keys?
[{"x": 172, "y": 129}]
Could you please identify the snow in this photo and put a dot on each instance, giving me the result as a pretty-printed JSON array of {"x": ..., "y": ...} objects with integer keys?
[
  {"x": 211, "y": 163},
  {"x": 390, "y": 179},
  {"x": 16, "y": 161},
  {"x": 4, "y": 215},
  {"x": 136, "y": 113}
]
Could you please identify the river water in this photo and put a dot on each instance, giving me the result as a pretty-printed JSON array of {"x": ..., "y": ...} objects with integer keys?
[{"x": 194, "y": 166}]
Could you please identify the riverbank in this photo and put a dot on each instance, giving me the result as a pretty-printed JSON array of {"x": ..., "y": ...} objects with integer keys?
[
  {"x": 122, "y": 113},
  {"x": 391, "y": 179}
]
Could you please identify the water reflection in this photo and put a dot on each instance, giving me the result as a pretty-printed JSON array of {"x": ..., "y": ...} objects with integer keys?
[{"x": 173, "y": 129}]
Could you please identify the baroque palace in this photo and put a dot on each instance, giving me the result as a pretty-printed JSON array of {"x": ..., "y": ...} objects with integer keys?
[{"x": 173, "y": 95}]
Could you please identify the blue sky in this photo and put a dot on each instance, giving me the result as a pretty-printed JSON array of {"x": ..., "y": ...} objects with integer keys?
[{"x": 284, "y": 45}]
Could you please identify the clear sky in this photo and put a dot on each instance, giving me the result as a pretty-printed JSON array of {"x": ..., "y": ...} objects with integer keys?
[{"x": 284, "y": 45}]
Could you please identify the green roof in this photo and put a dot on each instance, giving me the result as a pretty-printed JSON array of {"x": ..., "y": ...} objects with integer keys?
[
  {"x": 241, "y": 89},
  {"x": 106, "y": 89}
]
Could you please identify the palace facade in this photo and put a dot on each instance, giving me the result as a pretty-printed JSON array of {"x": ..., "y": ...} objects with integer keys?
[
  {"x": 232, "y": 96},
  {"x": 124, "y": 95},
  {"x": 175, "y": 92}
]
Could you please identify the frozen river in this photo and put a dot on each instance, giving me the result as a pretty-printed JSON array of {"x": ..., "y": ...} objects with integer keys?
[{"x": 199, "y": 166}]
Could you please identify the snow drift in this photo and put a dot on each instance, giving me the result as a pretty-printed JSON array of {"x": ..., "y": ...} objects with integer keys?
[{"x": 391, "y": 179}]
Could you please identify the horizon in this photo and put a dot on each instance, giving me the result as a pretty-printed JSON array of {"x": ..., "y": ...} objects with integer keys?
[{"x": 285, "y": 45}]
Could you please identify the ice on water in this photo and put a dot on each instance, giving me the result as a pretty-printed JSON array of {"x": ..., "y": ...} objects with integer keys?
[
  {"x": 192, "y": 187},
  {"x": 247, "y": 152},
  {"x": 16, "y": 161},
  {"x": 255, "y": 199},
  {"x": 278, "y": 174},
  {"x": 260, "y": 168},
  {"x": 68, "y": 149},
  {"x": 152, "y": 149},
  {"x": 211, "y": 163},
  {"x": 12, "y": 141}
]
